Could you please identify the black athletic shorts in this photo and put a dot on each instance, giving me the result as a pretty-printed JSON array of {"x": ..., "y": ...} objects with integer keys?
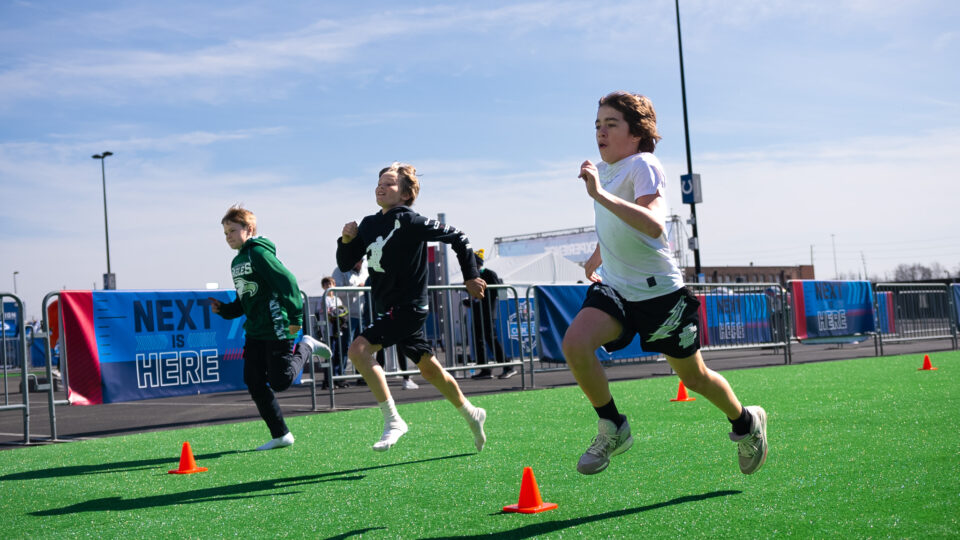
[
  {"x": 403, "y": 327},
  {"x": 668, "y": 324}
]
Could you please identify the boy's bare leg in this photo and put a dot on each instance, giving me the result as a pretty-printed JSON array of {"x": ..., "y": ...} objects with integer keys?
[
  {"x": 433, "y": 372},
  {"x": 363, "y": 355},
  {"x": 697, "y": 377},
  {"x": 590, "y": 329}
]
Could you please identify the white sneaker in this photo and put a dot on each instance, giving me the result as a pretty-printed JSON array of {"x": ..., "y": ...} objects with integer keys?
[
  {"x": 475, "y": 421},
  {"x": 609, "y": 442},
  {"x": 408, "y": 384},
  {"x": 318, "y": 347},
  {"x": 752, "y": 447},
  {"x": 279, "y": 442},
  {"x": 392, "y": 431}
]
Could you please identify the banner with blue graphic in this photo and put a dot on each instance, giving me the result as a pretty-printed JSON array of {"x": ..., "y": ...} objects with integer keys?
[
  {"x": 735, "y": 319},
  {"x": 162, "y": 344},
  {"x": 830, "y": 309},
  {"x": 956, "y": 300},
  {"x": 556, "y": 307},
  {"x": 11, "y": 320},
  {"x": 516, "y": 331}
]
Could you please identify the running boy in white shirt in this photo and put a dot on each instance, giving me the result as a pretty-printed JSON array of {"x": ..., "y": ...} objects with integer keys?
[{"x": 638, "y": 289}]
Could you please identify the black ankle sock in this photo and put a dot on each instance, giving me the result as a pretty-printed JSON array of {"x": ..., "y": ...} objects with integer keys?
[
  {"x": 741, "y": 426},
  {"x": 610, "y": 412}
]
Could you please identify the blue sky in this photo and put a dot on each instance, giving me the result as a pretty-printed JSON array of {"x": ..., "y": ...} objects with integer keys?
[{"x": 811, "y": 123}]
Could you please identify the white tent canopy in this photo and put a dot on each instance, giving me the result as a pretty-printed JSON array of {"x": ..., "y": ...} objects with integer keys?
[{"x": 539, "y": 269}]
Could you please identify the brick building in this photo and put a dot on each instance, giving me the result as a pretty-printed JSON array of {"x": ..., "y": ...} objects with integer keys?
[{"x": 750, "y": 274}]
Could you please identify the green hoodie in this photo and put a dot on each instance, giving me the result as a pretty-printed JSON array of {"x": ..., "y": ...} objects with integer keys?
[{"x": 267, "y": 293}]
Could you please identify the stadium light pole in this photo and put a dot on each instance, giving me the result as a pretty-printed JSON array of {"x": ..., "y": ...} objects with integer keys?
[
  {"x": 109, "y": 280},
  {"x": 15, "y": 272},
  {"x": 690, "y": 185}
]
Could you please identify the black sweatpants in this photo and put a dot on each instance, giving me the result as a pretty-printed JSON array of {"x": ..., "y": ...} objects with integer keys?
[{"x": 271, "y": 366}]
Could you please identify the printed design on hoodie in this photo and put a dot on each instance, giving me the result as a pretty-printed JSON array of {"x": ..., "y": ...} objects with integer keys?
[
  {"x": 245, "y": 287},
  {"x": 375, "y": 249}
]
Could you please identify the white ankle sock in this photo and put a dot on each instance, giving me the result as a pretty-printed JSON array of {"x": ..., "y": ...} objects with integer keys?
[{"x": 466, "y": 409}]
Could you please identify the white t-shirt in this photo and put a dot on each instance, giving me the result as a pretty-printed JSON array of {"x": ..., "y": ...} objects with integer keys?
[{"x": 635, "y": 265}]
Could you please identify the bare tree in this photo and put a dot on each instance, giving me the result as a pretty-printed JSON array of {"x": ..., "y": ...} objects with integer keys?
[{"x": 912, "y": 272}]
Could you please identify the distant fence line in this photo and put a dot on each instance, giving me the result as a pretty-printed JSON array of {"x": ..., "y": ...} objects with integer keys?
[{"x": 175, "y": 347}]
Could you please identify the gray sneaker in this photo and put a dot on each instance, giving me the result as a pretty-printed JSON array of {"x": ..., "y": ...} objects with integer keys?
[
  {"x": 318, "y": 347},
  {"x": 609, "y": 442},
  {"x": 752, "y": 447}
]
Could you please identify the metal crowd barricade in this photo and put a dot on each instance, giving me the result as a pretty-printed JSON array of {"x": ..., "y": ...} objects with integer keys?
[
  {"x": 744, "y": 316},
  {"x": 448, "y": 329},
  {"x": 915, "y": 311},
  {"x": 52, "y": 401},
  {"x": 24, "y": 406}
]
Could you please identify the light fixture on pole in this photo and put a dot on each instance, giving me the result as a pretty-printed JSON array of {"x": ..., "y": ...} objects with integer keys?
[{"x": 109, "y": 280}]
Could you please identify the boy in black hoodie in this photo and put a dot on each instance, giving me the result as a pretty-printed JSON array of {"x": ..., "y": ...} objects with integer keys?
[
  {"x": 267, "y": 293},
  {"x": 394, "y": 240}
]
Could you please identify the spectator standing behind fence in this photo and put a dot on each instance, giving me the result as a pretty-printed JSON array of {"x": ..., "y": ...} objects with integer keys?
[
  {"x": 333, "y": 315},
  {"x": 394, "y": 240},
  {"x": 267, "y": 293},
  {"x": 482, "y": 314},
  {"x": 638, "y": 288}
]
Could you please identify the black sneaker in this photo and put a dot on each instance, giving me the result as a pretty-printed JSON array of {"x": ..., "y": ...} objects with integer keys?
[
  {"x": 485, "y": 374},
  {"x": 507, "y": 373}
]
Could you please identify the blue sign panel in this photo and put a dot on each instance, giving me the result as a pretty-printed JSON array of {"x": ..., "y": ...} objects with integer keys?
[{"x": 170, "y": 343}]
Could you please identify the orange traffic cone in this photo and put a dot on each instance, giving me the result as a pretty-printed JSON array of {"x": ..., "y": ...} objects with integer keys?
[
  {"x": 530, "y": 501},
  {"x": 187, "y": 463},
  {"x": 927, "y": 366},
  {"x": 682, "y": 394}
]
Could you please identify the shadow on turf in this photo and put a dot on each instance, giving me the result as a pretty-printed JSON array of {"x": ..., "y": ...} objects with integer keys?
[
  {"x": 119, "y": 466},
  {"x": 538, "y": 529},
  {"x": 223, "y": 493}
]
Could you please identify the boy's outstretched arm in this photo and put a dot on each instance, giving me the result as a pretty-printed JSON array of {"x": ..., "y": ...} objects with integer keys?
[{"x": 433, "y": 231}]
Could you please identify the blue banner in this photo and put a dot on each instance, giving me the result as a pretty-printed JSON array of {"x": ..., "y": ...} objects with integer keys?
[
  {"x": 736, "y": 319},
  {"x": 556, "y": 307},
  {"x": 517, "y": 332},
  {"x": 825, "y": 309},
  {"x": 11, "y": 320},
  {"x": 162, "y": 344},
  {"x": 956, "y": 300}
]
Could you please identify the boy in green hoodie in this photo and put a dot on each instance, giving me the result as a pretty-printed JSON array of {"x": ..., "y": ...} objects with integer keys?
[{"x": 267, "y": 293}]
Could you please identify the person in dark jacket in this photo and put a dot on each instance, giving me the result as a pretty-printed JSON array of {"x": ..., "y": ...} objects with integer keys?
[
  {"x": 482, "y": 317},
  {"x": 394, "y": 240},
  {"x": 267, "y": 293}
]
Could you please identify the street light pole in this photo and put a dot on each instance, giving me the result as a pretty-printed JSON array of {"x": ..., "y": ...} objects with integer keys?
[
  {"x": 15, "y": 272},
  {"x": 690, "y": 184},
  {"x": 109, "y": 280}
]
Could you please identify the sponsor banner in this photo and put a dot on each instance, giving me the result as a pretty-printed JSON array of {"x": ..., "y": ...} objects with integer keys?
[
  {"x": 956, "y": 301},
  {"x": 824, "y": 309},
  {"x": 170, "y": 343},
  {"x": 516, "y": 331},
  {"x": 133, "y": 345},
  {"x": 556, "y": 307},
  {"x": 576, "y": 246},
  {"x": 735, "y": 319},
  {"x": 11, "y": 319},
  {"x": 885, "y": 312}
]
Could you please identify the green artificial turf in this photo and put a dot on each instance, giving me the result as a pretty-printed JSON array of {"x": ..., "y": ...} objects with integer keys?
[{"x": 859, "y": 448}]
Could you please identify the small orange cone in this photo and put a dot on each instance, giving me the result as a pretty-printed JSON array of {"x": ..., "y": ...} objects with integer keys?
[
  {"x": 927, "y": 366},
  {"x": 682, "y": 394},
  {"x": 187, "y": 463},
  {"x": 530, "y": 501}
]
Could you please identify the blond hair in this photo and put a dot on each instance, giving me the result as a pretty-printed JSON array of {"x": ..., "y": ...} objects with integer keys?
[{"x": 407, "y": 178}]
